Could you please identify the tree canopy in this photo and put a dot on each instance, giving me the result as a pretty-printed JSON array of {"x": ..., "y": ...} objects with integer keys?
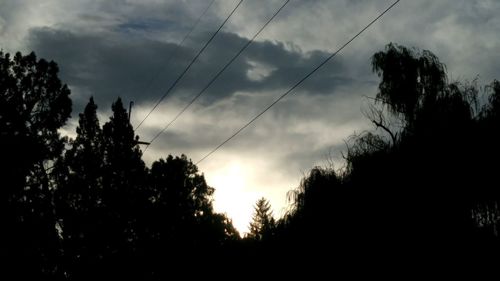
[{"x": 34, "y": 104}]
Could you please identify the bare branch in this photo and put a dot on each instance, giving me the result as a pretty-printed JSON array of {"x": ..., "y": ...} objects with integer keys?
[
  {"x": 380, "y": 125},
  {"x": 377, "y": 117}
]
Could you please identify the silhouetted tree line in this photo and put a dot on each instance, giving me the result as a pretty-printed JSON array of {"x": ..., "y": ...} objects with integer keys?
[
  {"x": 424, "y": 183},
  {"x": 88, "y": 208},
  {"x": 423, "y": 187}
]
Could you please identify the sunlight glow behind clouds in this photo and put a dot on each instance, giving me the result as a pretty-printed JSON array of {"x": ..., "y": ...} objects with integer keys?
[{"x": 232, "y": 194}]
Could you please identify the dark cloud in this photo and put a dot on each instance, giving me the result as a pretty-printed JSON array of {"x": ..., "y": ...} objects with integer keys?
[{"x": 108, "y": 65}]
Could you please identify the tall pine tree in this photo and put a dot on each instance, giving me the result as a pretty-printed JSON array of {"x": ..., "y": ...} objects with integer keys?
[
  {"x": 123, "y": 195},
  {"x": 79, "y": 195},
  {"x": 262, "y": 223}
]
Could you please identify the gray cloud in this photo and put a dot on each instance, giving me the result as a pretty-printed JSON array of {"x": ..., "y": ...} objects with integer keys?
[
  {"x": 110, "y": 65},
  {"x": 104, "y": 65}
]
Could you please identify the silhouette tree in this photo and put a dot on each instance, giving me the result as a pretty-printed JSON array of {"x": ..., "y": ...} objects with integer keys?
[
  {"x": 409, "y": 79},
  {"x": 183, "y": 225},
  {"x": 79, "y": 177},
  {"x": 486, "y": 212},
  {"x": 97, "y": 212},
  {"x": 34, "y": 104},
  {"x": 123, "y": 192},
  {"x": 262, "y": 224},
  {"x": 317, "y": 204},
  {"x": 492, "y": 109},
  {"x": 418, "y": 192}
]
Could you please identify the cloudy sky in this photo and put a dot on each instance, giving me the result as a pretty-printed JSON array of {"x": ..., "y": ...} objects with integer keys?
[{"x": 129, "y": 48}]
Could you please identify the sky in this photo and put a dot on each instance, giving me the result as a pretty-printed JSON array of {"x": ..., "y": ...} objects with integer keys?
[{"x": 130, "y": 49}]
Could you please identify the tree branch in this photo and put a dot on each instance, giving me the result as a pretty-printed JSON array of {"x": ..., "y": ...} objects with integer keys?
[{"x": 380, "y": 125}]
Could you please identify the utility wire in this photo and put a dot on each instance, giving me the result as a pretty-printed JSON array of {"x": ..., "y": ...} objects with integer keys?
[
  {"x": 189, "y": 65},
  {"x": 298, "y": 83},
  {"x": 176, "y": 50},
  {"x": 220, "y": 71}
]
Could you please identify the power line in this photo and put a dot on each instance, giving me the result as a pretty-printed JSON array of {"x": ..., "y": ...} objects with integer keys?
[
  {"x": 298, "y": 83},
  {"x": 221, "y": 71},
  {"x": 189, "y": 65},
  {"x": 176, "y": 50}
]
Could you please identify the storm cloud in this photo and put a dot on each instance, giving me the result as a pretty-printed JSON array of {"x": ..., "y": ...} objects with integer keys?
[{"x": 141, "y": 69}]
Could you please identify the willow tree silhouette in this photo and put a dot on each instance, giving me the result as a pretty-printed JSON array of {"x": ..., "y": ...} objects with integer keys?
[
  {"x": 409, "y": 79},
  {"x": 487, "y": 198},
  {"x": 34, "y": 104},
  {"x": 429, "y": 189},
  {"x": 316, "y": 223}
]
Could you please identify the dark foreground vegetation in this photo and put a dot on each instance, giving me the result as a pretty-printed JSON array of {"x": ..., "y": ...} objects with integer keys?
[{"x": 423, "y": 185}]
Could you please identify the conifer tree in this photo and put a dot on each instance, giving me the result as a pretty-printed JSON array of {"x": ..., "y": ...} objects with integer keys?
[
  {"x": 262, "y": 221},
  {"x": 79, "y": 177}
]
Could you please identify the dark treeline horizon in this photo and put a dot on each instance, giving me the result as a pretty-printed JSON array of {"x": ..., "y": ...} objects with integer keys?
[{"x": 423, "y": 182}]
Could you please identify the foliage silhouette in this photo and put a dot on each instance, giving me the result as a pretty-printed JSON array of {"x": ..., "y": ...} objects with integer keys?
[
  {"x": 182, "y": 222},
  {"x": 409, "y": 79},
  {"x": 425, "y": 188},
  {"x": 430, "y": 190},
  {"x": 79, "y": 207},
  {"x": 34, "y": 104},
  {"x": 123, "y": 195},
  {"x": 262, "y": 224}
]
